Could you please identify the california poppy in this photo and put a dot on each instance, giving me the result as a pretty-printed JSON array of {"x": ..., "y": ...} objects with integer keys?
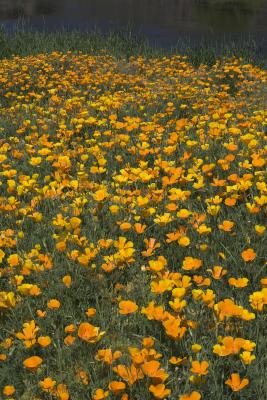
[
  {"x": 129, "y": 374},
  {"x": 127, "y": 307},
  {"x": 200, "y": 368},
  {"x": 159, "y": 391},
  {"x": 191, "y": 263},
  {"x": 44, "y": 341},
  {"x": 248, "y": 255},
  {"x": 53, "y": 304},
  {"x": 192, "y": 396},
  {"x": 32, "y": 363},
  {"x": 89, "y": 333},
  {"x": 153, "y": 370},
  {"x": 9, "y": 390},
  {"x": 235, "y": 383},
  {"x": 47, "y": 384},
  {"x": 100, "y": 394},
  {"x": 116, "y": 387}
]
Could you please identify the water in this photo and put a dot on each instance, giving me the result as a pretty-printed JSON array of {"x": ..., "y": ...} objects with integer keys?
[{"x": 163, "y": 22}]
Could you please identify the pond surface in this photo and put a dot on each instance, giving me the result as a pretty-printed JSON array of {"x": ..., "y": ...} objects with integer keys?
[{"x": 163, "y": 22}]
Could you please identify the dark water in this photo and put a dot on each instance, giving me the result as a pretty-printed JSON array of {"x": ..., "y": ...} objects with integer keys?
[{"x": 163, "y": 22}]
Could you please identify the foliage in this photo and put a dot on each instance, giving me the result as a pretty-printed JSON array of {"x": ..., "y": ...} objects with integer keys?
[{"x": 127, "y": 42}]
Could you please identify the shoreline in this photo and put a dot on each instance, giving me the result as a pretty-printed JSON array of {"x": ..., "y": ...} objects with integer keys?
[{"x": 125, "y": 43}]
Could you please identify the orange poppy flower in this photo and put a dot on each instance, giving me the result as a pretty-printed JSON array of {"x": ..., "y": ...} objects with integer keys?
[
  {"x": 217, "y": 272},
  {"x": 70, "y": 328},
  {"x": 90, "y": 312},
  {"x": 260, "y": 229},
  {"x": 161, "y": 286},
  {"x": 67, "y": 280},
  {"x": 9, "y": 390},
  {"x": 226, "y": 226},
  {"x": 89, "y": 333},
  {"x": 171, "y": 207},
  {"x": 183, "y": 213},
  {"x": 178, "y": 360},
  {"x": 193, "y": 396},
  {"x": 125, "y": 226},
  {"x": 138, "y": 356},
  {"x": 173, "y": 328},
  {"x": 100, "y": 195},
  {"x": 148, "y": 342},
  {"x": 100, "y": 394},
  {"x": 47, "y": 384},
  {"x": 44, "y": 341},
  {"x": 105, "y": 243},
  {"x": 63, "y": 163},
  {"x": 159, "y": 391},
  {"x": 184, "y": 241},
  {"x": 61, "y": 246},
  {"x": 230, "y": 201},
  {"x": 196, "y": 348},
  {"x": 258, "y": 300},
  {"x": 130, "y": 375},
  {"x": 238, "y": 282},
  {"x": 28, "y": 289},
  {"x": 32, "y": 363},
  {"x": 139, "y": 228},
  {"x": 13, "y": 260},
  {"x": 157, "y": 265},
  {"x": 152, "y": 370},
  {"x": 247, "y": 357},
  {"x": 69, "y": 340},
  {"x": 107, "y": 356},
  {"x": 127, "y": 307},
  {"x": 28, "y": 334},
  {"x": 208, "y": 297},
  {"x": 75, "y": 222},
  {"x": 53, "y": 304},
  {"x": 82, "y": 377},
  {"x": 62, "y": 392},
  {"x": 151, "y": 245},
  {"x": 173, "y": 236},
  {"x": 154, "y": 312},
  {"x": 40, "y": 313},
  {"x": 2, "y": 255},
  {"x": 236, "y": 383},
  {"x": 227, "y": 308},
  {"x": 201, "y": 280},
  {"x": 190, "y": 263},
  {"x": 178, "y": 305},
  {"x": 116, "y": 387},
  {"x": 248, "y": 255},
  {"x": 200, "y": 368},
  {"x": 229, "y": 346}
]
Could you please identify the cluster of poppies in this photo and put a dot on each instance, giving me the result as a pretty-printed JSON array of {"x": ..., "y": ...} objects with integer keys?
[{"x": 132, "y": 228}]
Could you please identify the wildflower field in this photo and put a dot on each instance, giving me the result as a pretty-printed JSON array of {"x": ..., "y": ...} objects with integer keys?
[{"x": 132, "y": 228}]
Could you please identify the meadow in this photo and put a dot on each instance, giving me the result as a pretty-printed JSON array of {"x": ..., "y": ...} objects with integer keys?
[{"x": 132, "y": 224}]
